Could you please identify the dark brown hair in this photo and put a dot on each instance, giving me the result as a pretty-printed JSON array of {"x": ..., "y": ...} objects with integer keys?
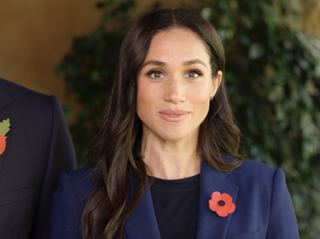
[{"x": 113, "y": 200}]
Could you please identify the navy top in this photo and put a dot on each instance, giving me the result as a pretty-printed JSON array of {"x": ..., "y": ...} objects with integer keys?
[{"x": 176, "y": 204}]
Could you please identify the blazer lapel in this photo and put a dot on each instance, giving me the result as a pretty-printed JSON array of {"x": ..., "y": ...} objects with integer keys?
[
  {"x": 142, "y": 223},
  {"x": 210, "y": 225}
]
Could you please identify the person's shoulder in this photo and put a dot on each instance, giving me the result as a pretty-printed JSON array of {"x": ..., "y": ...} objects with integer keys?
[
  {"x": 254, "y": 166},
  {"x": 81, "y": 172},
  {"x": 27, "y": 103},
  {"x": 253, "y": 171},
  {"x": 82, "y": 175},
  {"x": 78, "y": 183},
  {"x": 82, "y": 180},
  {"x": 16, "y": 92}
]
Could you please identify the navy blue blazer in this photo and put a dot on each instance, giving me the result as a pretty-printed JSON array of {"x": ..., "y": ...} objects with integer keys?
[
  {"x": 263, "y": 206},
  {"x": 38, "y": 149}
]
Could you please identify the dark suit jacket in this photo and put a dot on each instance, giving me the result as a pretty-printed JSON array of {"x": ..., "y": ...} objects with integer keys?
[
  {"x": 263, "y": 206},
  {"x": 39, "y": 148}
]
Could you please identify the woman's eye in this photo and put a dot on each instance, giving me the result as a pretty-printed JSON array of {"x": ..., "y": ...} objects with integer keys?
[
  {"x": 156, "y": 74},
  {"x": 193, "y": 74}
]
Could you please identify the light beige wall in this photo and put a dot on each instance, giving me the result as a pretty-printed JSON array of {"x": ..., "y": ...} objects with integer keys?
[{"x": 36, "y": 34}]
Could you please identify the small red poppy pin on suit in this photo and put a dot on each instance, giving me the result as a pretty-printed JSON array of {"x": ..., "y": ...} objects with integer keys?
[
  {"x": 4, "y": 129},
  {"x": 221, "y": 204}
]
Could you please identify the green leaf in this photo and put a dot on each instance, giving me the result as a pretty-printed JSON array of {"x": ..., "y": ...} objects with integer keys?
[{"x": 4, "y": 127}]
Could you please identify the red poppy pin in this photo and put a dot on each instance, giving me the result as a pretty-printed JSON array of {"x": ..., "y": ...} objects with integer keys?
[
  {"x": 4, "y": 129},
  {"x": 221, "y": 204}
]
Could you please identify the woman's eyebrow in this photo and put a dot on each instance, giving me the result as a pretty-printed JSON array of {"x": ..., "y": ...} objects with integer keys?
[
  {"x": 185, "y": 63},
  {"x": 156, "y": 63},
  {"x": 195, "y": 61}
]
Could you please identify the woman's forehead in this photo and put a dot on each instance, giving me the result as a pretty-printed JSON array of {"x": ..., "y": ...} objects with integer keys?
[{"x": 177, "y": 44}]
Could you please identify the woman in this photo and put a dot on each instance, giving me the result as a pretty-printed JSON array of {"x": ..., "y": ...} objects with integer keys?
[{"x": 168, "y": 162}]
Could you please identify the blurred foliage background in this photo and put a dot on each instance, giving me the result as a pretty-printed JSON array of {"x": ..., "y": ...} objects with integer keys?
[{"x": 272, "y": 76}]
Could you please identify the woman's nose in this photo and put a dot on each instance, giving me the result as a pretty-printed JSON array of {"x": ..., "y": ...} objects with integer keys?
[{"x": 175, "y": 90}]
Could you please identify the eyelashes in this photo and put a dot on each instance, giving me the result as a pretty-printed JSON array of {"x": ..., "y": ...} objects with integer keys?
[
  {"x": 156, "y": 74},
  {"x": 193, "y": 74}
]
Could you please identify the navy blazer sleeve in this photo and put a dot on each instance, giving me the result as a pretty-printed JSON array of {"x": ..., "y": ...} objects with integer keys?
[
  {"x": 63, "y": 215},
  {"x": 61, "y": 158},
  {"x": 69, "y": 202},
  {"x": 282, "y": 220}
]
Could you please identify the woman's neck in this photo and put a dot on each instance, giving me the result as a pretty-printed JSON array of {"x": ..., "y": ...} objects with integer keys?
[{"x": 171, "y": 160}]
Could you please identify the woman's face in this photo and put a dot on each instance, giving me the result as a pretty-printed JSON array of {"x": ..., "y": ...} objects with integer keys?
[{"x": 174, "y": 86}]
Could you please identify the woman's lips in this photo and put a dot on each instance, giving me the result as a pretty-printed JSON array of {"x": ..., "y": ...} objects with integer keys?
[{"x": 173, "y": 116}]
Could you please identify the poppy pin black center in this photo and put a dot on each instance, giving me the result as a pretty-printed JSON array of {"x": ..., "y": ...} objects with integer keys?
[{"x": 221, "y": 203}]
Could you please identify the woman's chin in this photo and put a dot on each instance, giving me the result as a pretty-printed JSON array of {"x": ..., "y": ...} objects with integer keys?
[{"x": 176, "y": 137}]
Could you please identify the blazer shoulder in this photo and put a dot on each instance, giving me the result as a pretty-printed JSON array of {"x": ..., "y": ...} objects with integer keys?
[
  {"x": 15, "y": 91},
  {"x": 82, "y": 174},
  {"x": 27, "y": 102},
  {"x": 251, "y": 165},
  {"x": 82, "y": 181},
  {"x": 252, "y": 172},
  {"x": 69, "y": 202},
  {"x": 31, "y": 105}
]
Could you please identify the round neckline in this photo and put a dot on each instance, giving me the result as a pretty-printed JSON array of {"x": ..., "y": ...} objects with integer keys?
[{"x": 175, "y": 184}]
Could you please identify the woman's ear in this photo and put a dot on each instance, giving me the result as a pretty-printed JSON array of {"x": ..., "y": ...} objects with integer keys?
[{"x": 216, "y": 83}]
